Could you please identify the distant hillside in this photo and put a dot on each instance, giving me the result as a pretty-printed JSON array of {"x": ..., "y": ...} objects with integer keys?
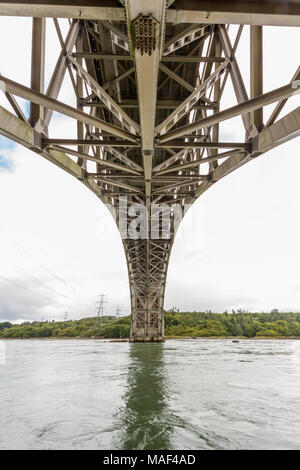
[
  {"x": 177, "y": 324},
  {"x": 106, "y": 327}
]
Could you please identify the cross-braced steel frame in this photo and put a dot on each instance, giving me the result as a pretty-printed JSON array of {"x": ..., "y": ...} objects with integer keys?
[{"x": 148, "y": 77}]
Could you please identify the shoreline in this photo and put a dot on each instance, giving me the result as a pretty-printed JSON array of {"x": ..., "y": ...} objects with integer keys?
[{"x": 181, "y": 338}]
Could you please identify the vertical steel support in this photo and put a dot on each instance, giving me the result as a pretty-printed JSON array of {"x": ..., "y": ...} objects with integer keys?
[
  {"x": 37, "y": 66},
  {"x": 79, "y": 87},
  {"x": 144, "y": 16},
  {"x": 236, "y": 76},
  {"x": 147, "y": 287},
  {"x": 146, "y": 26},
  {"x": 61, "y": 67},
  {"x": 256, "y": 72},
  {"x": 217, "y": 89}
]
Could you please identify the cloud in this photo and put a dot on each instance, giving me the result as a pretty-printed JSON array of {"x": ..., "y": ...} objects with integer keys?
[
  {"x": 249, "y": 246},
  {"x": 208, "y": 297},
  {"x": 52, "y": 243},
  {"x": 17, "y": 303}
]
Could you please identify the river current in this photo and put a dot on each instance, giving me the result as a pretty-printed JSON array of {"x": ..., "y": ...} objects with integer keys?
[{"x": 183, "y": 394}]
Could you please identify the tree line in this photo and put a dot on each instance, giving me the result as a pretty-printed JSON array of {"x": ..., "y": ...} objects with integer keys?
[{"x": 177, "y": 324}]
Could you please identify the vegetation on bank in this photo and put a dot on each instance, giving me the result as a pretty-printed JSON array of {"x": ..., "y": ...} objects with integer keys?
[{"x": 177, "y": 324}]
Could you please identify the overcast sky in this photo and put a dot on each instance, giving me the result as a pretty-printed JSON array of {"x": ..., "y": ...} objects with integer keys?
[{"x": 238, "y": 246}]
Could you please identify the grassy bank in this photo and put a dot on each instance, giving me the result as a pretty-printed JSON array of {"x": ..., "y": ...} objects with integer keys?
[{"x": 177, "y": 325}]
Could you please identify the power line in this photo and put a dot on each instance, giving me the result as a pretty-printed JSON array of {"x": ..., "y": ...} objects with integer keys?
[
  {"x": 25, "y": 288},
  {"x": 33, "y": 255},
  {"x": 101, "y": 302},
  {"x": 41, "y": 282},
  {"x": 37, "y": 294},
  {"x": 29, "y": 275}
]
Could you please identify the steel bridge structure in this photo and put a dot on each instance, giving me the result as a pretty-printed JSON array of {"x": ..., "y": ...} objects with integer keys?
[{"x": 148, "y": 77}]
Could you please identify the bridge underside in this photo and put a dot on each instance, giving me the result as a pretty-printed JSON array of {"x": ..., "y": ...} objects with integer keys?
[{"x": 148, "y": 80}]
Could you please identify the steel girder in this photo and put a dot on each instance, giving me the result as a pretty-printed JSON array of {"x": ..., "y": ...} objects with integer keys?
[
  {"x": 271, "y": 12},
  {"x": 148, "y": 77}
]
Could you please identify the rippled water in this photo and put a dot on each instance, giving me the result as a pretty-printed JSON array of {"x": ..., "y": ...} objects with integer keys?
[{"x": 187, "y": 394}]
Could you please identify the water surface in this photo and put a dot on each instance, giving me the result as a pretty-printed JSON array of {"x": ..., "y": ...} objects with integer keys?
[{"x": 184, "y": 394}]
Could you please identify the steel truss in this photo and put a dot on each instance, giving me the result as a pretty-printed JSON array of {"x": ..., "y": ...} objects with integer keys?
[{"x": 148, "y": 77}]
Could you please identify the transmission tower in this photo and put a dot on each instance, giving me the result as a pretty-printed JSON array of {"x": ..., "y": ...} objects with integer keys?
[
  {"x": 100, "y": 304},
  {"x": 118, "y": 312}
]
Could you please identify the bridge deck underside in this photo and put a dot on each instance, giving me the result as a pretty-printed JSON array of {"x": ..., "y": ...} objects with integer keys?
[{"x": 147, "y": 260}]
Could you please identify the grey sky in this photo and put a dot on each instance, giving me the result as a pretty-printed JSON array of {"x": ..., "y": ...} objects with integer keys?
[{"x": 237, "y": 248}]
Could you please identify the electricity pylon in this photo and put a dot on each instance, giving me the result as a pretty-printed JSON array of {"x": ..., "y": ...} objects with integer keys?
[{"x": 101, "y": 303}]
